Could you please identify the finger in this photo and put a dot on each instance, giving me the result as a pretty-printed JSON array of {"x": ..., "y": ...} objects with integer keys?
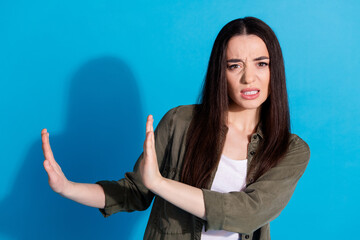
[
  {"x": 148, "y": 142},
  {"x": 149, "y": 124},
  {"x": 43, "y": 131},
  {"x": 149, "y": 146},
  {"x": 145, "y": 143},
  {"x": 152, "y": 123},
  {"x": 48, "y": 154},
  {"x": 46, "y": 145},
  {"x": 152, "y": 138},
  {"x": 152, "y": 131}
]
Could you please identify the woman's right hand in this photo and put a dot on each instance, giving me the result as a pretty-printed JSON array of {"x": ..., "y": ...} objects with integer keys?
[{"x": 57, "y": 180}]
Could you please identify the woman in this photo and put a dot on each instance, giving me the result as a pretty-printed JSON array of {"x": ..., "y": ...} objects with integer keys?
[{"x": 222, "y": 169}]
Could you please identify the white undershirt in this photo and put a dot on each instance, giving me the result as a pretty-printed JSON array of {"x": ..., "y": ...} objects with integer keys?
[{"x": 230, "y": 176}]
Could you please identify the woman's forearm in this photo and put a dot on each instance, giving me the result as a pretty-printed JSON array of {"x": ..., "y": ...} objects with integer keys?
[
  {"x": 184, "y": 196},
  {"x": 91, "y": 195},
  {"x": 88, "y": 194}
]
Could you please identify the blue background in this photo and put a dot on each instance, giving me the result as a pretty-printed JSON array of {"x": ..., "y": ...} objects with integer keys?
[{"x": 90, "y": 72}]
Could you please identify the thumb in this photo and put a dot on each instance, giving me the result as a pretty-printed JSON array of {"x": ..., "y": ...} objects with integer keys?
[{"x": 48, "y": 167}]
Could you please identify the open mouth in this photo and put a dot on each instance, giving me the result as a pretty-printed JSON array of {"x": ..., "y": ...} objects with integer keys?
[{"x": 250, "y": 94}]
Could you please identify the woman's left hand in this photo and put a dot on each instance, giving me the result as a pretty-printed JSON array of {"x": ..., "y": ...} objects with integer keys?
[{"x": 149, "y": 168}]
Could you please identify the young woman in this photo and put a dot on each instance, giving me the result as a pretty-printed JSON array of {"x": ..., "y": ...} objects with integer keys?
[{"x": 221, "y": 169}]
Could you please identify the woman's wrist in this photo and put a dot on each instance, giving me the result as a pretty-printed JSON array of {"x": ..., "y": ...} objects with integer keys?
[
  {"x": 67, "y": 190},
  {"x": 157, "y": 185}
]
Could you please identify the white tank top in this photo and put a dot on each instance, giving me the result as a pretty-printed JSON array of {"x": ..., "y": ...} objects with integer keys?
[{"x": 229, "y": 177}]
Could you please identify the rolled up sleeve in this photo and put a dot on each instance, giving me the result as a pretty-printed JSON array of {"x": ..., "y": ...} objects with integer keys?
[
  {"x": 129, "y": 194},
  {"x": 261, "y": 201}
]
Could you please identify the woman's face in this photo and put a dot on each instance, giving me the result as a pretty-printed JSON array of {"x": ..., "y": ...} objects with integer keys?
[{"x": 247, "y": 72}]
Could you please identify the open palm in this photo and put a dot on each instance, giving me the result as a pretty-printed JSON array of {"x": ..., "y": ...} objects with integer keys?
[
  {"x": 57, "y": 179},
  {"x": 149, "y": 168}
]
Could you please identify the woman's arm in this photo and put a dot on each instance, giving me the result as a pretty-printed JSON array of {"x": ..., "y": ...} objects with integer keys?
[
  {"x": 181, "y": 195},
  {"x": 262, "y": 201},
  {"x": 244, "y": 211},
  {"x": 88, "y": 194}
]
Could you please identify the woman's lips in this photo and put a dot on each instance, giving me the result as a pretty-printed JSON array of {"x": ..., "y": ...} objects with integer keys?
[{"x": 250, "y": 93}]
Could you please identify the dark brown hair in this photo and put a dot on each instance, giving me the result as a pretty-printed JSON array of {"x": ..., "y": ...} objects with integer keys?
[{"x": 207, "y": 130}]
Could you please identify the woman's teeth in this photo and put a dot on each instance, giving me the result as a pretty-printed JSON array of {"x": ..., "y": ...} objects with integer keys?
[{"x": 251, "y": 92}]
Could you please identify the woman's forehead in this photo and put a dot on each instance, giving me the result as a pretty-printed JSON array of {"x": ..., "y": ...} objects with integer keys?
[{"x": 246, "y": 47}]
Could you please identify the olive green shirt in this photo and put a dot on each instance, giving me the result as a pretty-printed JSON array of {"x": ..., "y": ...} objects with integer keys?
[{"x": 247, "y": 212}]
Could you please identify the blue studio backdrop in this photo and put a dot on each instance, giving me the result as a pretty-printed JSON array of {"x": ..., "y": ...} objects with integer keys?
[{"x": 91, "y": 71}]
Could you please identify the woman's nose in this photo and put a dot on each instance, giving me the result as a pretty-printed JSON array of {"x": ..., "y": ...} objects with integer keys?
[{"x": 248, "y": 76}]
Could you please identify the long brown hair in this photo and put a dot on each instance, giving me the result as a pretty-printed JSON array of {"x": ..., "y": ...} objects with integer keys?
[{"x": 207, "y": 130}]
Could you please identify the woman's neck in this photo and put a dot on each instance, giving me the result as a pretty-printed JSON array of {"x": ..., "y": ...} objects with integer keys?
[{"x": 244, "y": 120}]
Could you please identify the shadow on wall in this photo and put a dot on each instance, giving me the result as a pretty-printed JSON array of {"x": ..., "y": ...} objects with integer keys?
[{"x": 100, "y": 141}]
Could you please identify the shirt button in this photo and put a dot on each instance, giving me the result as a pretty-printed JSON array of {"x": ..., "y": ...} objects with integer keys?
[
  {"x": 252, "y": 153},
  {"x": 247, "y": 236}
]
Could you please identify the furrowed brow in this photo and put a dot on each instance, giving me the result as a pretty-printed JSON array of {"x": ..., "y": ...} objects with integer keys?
[
  {"x": 234, "y": 60},
  {"x": 261, "y": 58}
]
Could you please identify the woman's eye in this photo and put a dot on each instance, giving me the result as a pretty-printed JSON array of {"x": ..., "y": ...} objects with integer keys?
[
  {"x": 233, "y": 66},
  {"x": 263, "y": 64}
]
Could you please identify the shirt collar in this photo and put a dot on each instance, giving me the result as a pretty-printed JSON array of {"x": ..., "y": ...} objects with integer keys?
[{"x": 259, "y": 130}]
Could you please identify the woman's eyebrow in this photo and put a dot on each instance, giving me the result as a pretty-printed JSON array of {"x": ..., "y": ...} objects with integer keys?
[
  {"x": 260, "y": 58},
  {"x": 234, "y": 60}
]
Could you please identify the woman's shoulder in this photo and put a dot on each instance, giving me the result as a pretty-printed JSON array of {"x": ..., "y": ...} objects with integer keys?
[
  {"x": 296, "y": 140},
  {"x": 182, "y": 113},
  {"x": 298, "y": 148},
  {"x": 177, "y": 118}
]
